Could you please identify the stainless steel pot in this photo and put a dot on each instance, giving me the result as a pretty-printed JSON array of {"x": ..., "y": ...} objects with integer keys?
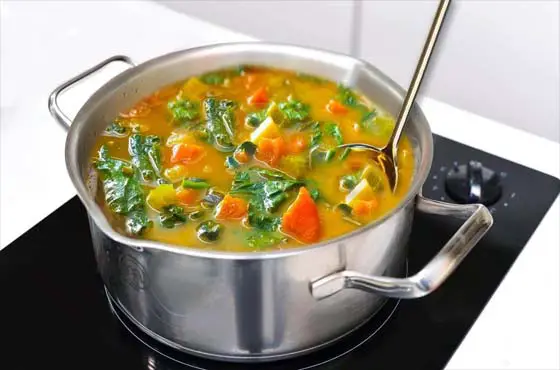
[{"x": 269, "y": 305}]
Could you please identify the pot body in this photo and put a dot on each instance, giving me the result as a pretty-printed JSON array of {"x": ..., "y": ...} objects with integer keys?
[
  {"x": 249, "y": 310},
  {"x": 266, "y": 305}
]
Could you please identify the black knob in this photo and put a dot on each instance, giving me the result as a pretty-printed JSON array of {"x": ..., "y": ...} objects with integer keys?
[{"x": 473, "y": 183}]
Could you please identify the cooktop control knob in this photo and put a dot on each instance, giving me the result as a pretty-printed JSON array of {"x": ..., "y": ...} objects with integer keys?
[{"x": 473, "y": 183}]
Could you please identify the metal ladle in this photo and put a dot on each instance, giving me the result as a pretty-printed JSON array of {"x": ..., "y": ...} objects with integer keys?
[{"x": 387, "y": 156}]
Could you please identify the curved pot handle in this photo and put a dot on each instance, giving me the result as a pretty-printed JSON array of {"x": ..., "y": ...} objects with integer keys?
[
  {"x": 54, "y": 108},
  {"x": 479, "y": 220}
]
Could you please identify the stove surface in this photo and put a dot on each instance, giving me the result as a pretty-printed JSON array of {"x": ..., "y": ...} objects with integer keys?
[{"x": 54, "y": 309}]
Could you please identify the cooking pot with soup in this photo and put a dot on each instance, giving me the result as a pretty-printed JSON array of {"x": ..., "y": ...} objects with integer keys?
[{"x": 224, "y": 221}]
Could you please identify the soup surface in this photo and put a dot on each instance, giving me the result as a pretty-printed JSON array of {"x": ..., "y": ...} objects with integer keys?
[{"x": 245, "y": 159}]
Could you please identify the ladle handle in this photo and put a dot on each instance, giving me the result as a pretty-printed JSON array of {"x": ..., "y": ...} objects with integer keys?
[{"x": 417, "y": 77}]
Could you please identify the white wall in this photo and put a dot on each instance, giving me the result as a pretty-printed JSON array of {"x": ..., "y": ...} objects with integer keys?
[{"x": 497, "y": 58}]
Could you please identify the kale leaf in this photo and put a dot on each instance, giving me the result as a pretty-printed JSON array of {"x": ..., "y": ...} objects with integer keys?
[
  {"x": 184, "y": 110},
  {"x": 146, "y": 155},
  {"x": 294, "y": 111},
  {"x": 115, "y": 129},
  {"x": 172, "y": 216},
  {"x": 220, "y": 122},
  {"x": 123, "y": 193}
]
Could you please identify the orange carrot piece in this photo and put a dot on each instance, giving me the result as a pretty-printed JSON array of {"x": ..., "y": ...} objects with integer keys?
[
  {"x": 259, "y": 97},
  {"x": 336, "y": 108},
  {"x": 301, "y": 220},
  {"x": 241, "y": 157},
  {"x": 186, "y": 196},
  {"x": 231, "y": 208},
  {"x": 271, "y": 150},
  {"x": 186, "y": 153},
  {"x": 364, "y": 208},
  {"x": 298, "y": 143}
]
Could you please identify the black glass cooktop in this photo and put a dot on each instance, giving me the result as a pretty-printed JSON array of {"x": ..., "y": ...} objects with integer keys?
[{"x": 53, "y": 308}]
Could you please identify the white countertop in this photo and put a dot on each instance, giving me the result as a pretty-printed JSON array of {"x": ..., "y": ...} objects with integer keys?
[{"x": 43, "y": 44}]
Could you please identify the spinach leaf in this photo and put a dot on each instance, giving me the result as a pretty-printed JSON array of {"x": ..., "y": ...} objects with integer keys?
[
  {"x": 259, "y": 239},
  {"x": 146, "y": 155},
  {"x": 254, "y": 119},
  {"x": 213, "y": 78},
  {"x": 316, "y": 134},
  {"x": 346, "y": 96},
  {"x": 333, "y": 130},
  {"x": 220, "y": 122},
  {"x": 219, "y": 77},
  {"x": 260, "y": 219},
  {"x": 123, "y": 193},
  {"x": 172, "y": 216},
  {"x": 266, "y": 190},
  {"x": 209, "y": 231},
  {"x": 137, "y": 222},
  {"x": 184, "y": 110},
  {"x": 294, "y": 111},
  {"x": 115, "y": 129},
  {"x": 348, "y": 182}
]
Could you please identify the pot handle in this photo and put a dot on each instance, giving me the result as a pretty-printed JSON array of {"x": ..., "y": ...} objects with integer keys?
[
  {"x": 479, "y": 220},
  {"x": 54, "y": 108}
]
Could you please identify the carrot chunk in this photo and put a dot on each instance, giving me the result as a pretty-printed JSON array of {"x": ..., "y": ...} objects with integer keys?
[
  {"x": 259, "y": 97},
  {"x": 364, "y": 208},
  {"x": 231, "y": 208},
  {"x": 298, "y": 143},
  {"x": 241, "y": 156},
  {"x": 336, "y": 108},
  {"x": 186, "y": 196},
  {"x": 301, "y": 220},
  {"x": 271, "y": 150},
  {"x": 186, "y": 153}
]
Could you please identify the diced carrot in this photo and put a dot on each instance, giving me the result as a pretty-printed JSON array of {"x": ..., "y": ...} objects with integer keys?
[
  {"x": 187, "y": 196},
  {"x": 259, "y": 97},
  {"x": 301, "y": 220},
  {"x": 231, "y": 208},
  {"x": 241, "y": 156},
  {"x": 271, "y": 150},
  {"x": 298, "y": 143},
  {"x": 186, "y": 153},
  {"x": 336, "y": 108},
  {"x": 364, "y": 208}
]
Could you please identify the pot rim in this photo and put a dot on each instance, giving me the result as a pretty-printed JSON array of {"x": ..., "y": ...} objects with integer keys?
[{"x": 96, "y": 214}]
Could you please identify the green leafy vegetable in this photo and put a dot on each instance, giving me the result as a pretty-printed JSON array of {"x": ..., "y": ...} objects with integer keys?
[
  {"x": 172, "y": 216},
  {"x": 333, "y": 130},
  {"x": 254, "y": 119},
  {"x": 214, "y": 78},
  {"x": 137, "y": 221},
  {"x": 146, "y": 155},
  {"x": 219, "y": 77},
  {"x": 259, "y": 239},
  {"x": 294, "y": 111},
  {"x": 115, "y": 129},
  {"x": 220, "y": 122},
  {"x": 209, "y": 231},
  {"x": 265, "y": 190},
  {"x": 346, "y": 96},
  {"x": 123, "y": 193},
  {"x": 316, "y": 134},
  {"x": 231, "y": 163},
  {"x": 184, "y": 110},
  {"x": 348, "y": 182},
  {"x": 195, "y": 183}
]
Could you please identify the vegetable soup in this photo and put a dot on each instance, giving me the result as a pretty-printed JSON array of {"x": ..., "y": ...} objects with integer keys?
[{"x": 246, "y": 159}]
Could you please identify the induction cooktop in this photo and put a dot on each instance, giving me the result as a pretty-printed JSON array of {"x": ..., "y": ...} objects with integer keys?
[{"x": 54, "y": 310}]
